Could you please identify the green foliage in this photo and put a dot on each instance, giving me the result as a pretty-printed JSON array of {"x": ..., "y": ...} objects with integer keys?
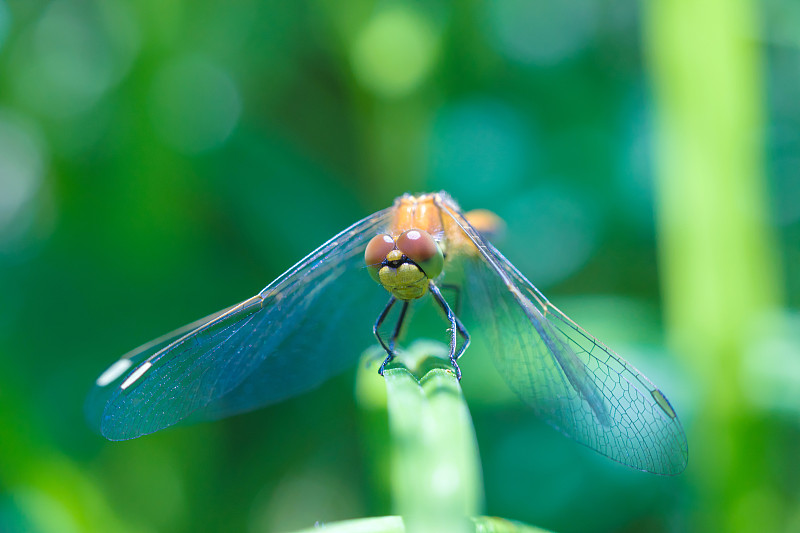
[
  {"x": 160, "y": 161},
  {"x": 394, "y": 524},
  {"x": 436, "y": 481},
  {"x": 716, "y": 241},
  {"x": 435, "y": 465}
]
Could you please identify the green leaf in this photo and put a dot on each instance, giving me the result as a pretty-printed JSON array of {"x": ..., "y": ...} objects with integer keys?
[
  {"x": 436, "y": 480},
  {"x": 383, "y": 524},
  {"x": 436, "y": 473},
  {"x": 394, "y": 524}
]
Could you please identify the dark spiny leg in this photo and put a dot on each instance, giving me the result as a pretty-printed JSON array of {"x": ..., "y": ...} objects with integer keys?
[
  {"x": 455, "y": 327},
  {"x": 456, "y": 289},
  {"x": 464, "y": 335},
  {"x": 376, "y": 331},
  {"x": 399, "y": 325}
]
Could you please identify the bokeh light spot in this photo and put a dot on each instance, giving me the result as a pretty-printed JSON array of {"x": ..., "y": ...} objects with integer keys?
[
  {"x": 305, "y": 493},
  {"x": 75, "y": 53},
  {"x": 5, "y": 22},
  {"x": 21, "y": 169},
  {"x": 194, "y": 105},
  {"x": 558, "y": 233},
  {"x": 394, "y": 52},
  {"x": 771, "y": 363},
  {"x": 541, "y": 33},
  {"x": 476, "y": 147},
  {"x": 446, "y": 478},
  {"x": 37, "y": 510},
  {"x": 786, "y": 208},
  {"x": 634, "y": 169}
]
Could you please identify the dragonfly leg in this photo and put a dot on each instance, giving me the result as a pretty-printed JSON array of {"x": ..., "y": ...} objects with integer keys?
[
  {"x": 457, "y": 290},
  {"x": 464, "y": 335},
  {"x": 456, "y": 327},
  {"x": 376, "y": 331},
  {"x": 399, "y": 327}
]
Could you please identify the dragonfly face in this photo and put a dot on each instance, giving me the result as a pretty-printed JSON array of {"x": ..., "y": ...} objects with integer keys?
[
  {"x": 267, "y": 348},
  {"x": 404, "y": 265}
]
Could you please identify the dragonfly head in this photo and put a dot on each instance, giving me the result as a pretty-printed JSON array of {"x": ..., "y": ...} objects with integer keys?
[{"x": 404, "y": 265}]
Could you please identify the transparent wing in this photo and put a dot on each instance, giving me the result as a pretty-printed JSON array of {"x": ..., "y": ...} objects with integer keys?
[
  {"x": 308, "y": 325},
  {"x": 568, "y": 377},
  {"x": 108, "y": 382}
]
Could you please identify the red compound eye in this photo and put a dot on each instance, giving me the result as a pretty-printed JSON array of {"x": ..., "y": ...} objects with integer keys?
[
  {"x": 378, "y": 247},
  {"x": 376, "y": 251},
  {"x": 419, "y": 246}
]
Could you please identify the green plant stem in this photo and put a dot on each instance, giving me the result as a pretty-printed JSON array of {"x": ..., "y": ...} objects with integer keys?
[
  {"x": 436, "y": 475},
  {"x": 718, "y": 259},
  {"x": 394, "y": 524},
  {"x": 436, "y": 480}
]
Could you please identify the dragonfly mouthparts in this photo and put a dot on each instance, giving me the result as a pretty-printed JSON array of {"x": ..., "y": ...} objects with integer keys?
[{"x": 395, "y": 263}]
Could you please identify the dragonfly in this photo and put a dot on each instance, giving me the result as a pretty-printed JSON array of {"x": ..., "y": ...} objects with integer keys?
[{"x": 313, "y": 322}]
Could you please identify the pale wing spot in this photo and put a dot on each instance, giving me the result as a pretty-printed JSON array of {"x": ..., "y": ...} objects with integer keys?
[
  {"x": 663, "y": 403},
  {"x": 139, "y": 372},
  {"x": 113, "y": 372}
]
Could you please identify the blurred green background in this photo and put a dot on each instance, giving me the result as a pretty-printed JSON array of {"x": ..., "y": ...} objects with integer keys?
[{"x": 162, "y": 160}]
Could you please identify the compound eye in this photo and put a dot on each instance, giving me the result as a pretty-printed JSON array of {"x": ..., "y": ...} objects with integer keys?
[
  {"x": 377, "y": 249},
  {"x": 419, "y": 246}
]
